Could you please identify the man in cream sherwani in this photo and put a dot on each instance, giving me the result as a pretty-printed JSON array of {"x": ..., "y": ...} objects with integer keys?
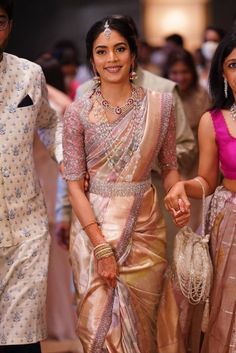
[{"x": 24, "y": 236}]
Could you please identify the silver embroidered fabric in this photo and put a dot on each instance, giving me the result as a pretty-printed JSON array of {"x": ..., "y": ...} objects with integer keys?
[{"x": 106, "y": 189}]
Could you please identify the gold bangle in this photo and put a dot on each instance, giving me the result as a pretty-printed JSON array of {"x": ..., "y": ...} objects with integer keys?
[
  {"x": 105, "y": 248},
  {"x": 101, "y": 246},
  {"x": 108, "y": 254},
  {"x": 102, "y": 252},
  {"x": 89, "y": 224}
]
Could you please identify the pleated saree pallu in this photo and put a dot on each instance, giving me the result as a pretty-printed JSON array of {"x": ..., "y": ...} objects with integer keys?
[{"x": 120, "y": 320}]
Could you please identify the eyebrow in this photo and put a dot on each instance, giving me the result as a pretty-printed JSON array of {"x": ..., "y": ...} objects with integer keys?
[
  {"x": 230, "y": 60},
  {"x": 105, "y": 46}
]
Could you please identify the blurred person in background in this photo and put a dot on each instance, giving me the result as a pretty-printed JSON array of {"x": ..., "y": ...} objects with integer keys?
[
  {"x": 75, "y": 73},
  {"x": 203, "y": 56},
  {"x": 160, "y": 54},
  {"x": 60, "y": 310},
  {"x": 180, "y": 67}
]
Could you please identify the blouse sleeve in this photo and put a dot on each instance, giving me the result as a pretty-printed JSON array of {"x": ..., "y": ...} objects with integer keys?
[
  {"x": 73, "y": 144},
  {"x": 167, "y": 156}
]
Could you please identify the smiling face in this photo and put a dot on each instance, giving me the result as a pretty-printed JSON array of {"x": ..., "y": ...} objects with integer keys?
[
  {"x": 4, "y": 34},
  {"x": 112, "y": 58},
  {"x": 229, "y": 70}
]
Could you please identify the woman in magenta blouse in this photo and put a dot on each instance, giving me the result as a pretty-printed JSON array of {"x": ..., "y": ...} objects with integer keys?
[{"x": 217, "y": 142}]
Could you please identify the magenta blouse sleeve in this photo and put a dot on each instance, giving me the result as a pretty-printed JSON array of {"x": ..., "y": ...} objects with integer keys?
[
  {"x": 167, "y": 155},
  {"x": 73, "y": 144}
]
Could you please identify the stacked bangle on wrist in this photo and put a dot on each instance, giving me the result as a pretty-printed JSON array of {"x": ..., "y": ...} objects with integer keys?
[{"x": 103, "y": 250}]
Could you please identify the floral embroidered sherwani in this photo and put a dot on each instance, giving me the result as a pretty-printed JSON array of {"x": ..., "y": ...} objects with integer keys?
[{"x": 24, "y": 237}]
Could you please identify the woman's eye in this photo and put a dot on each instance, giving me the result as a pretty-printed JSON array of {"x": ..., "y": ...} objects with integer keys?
[
  {"x": 100, "y": 52},
  {"x": 232, "y": 65},
  {"x": 120, "y": 49}
]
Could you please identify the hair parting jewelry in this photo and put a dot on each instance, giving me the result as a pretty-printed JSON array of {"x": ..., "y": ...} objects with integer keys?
[
  {"x": 107, "y": 30},
  {"x": 225, "y": 87}
]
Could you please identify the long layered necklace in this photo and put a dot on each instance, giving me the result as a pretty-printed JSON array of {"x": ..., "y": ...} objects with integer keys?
[
  {"x": 233, "y": 111},
  {"x": 120, "y": 149}
]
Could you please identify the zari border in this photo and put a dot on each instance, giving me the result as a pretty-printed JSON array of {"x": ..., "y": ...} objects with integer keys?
[{"x": 104, "y": 325}]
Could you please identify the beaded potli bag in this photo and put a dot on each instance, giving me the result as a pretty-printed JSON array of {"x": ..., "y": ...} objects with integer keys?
[{"x": 192, "y": 265}]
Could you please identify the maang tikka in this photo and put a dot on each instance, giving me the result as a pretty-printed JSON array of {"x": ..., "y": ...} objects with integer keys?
[{"x": 107, "y": 30}]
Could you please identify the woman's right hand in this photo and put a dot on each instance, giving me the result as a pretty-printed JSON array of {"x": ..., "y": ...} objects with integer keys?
[{"x": 108, "y": 270}]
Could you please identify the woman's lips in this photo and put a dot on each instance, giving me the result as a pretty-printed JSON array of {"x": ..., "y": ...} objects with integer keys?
[{"x": 113, "y": 69}]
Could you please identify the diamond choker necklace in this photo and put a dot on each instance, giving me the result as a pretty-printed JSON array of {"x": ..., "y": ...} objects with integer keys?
[
  {"x": 118, "y": 110},
  {"x": 233, "y": 111}
]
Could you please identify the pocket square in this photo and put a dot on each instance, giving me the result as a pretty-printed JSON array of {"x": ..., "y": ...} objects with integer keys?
[{"x": 26, "y": 101}]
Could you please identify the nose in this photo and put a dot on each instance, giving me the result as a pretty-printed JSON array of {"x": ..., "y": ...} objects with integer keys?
[{"x": 112, "y": 56}]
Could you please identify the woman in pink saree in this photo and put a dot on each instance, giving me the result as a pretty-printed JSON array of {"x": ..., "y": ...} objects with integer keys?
[
  {"x": 115, "y": 133},
  {"x": 217, "y": 141}
]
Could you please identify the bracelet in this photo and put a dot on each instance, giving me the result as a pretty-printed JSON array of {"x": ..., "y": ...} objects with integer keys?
[
  {"x": 105, "y": 255},
  {"x": 89, "y": 224},
  {"x": 103, "y": 250}
]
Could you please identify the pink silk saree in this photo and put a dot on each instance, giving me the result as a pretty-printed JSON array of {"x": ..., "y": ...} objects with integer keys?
[{"x": 124, "y": 319}]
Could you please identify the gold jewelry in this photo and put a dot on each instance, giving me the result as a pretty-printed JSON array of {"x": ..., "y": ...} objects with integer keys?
[
  {"x": 133, "y": 76},
  {"x": 104, "y": 256},
  {"x": 103, "y": 250},
  {"x": 97, "y": 80},
  {"x": 89, "y": 224}
]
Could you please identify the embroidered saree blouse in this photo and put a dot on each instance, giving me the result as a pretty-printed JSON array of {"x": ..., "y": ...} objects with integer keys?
[{"x": 84, "y": 146}]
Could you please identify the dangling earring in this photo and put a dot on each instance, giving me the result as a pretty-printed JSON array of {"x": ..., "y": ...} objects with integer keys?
[
  {"x": 133, "y": 75},
  {"x": 225, "y": 87},
  {"x": 96, "y": 80}
]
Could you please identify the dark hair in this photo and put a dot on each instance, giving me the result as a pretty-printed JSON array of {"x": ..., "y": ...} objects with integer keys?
[
  {"x": 184, "y": 56},
  {"x": 119, "y": 23},
  {"x": 175, "y": 38},
  {"x": 52, "y": 71},
  {"x": 220, "y": 31},
  {"x": 7, "y": 5},
  {"x": 216, "y": 79},
  {"x": 66, "y": 52}
]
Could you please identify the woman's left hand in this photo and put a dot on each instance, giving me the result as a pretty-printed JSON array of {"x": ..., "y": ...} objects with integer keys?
[
  {"x": 177, "y": 203},
  {"x": 180, "y": 217}
]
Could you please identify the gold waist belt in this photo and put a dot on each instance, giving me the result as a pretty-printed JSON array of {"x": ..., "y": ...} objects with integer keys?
[{"x": 110, "y": 189}]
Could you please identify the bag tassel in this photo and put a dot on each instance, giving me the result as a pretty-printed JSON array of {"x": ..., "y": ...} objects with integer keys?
[{"x": 205, "y": 316}]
